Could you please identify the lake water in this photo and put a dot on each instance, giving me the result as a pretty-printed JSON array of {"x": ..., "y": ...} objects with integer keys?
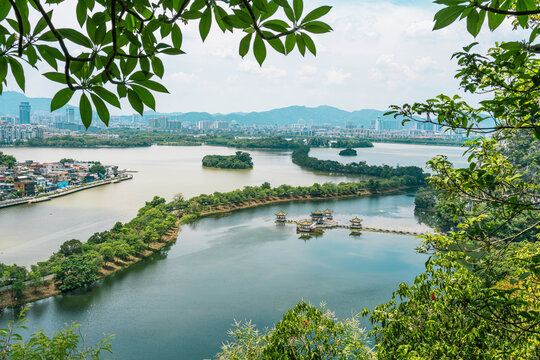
[
  {"x": 180, "y": 303},
  {"x": 30, "y": 233}
]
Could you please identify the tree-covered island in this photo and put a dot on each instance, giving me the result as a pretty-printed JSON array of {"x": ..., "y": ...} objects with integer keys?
[
  {"x": 348, "y": 152},
  {"x": 240, "y": 160}
]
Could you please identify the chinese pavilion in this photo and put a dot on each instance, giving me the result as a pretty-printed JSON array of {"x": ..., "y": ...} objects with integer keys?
[
  {"x": 317, "y": 217},
  {"x": 356, "y": 223},
  {"x": 281, "y": 216},
  {"x": 328, "y": 214},
  {"x": 305, "y": 226}
]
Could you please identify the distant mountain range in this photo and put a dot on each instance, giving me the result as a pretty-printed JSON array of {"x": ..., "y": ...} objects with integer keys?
[{"x": 10, "y": 100}]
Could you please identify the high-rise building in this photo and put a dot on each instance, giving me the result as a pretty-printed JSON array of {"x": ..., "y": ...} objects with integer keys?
[
  {"x": 220, "y": 125},
  {"x": 24, "y": 112},
  {"x": 70, "y": 115},
  {"x": 204, "y": 124}
]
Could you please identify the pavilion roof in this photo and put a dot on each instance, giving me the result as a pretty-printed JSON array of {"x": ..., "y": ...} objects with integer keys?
[
  {"x": 305, "y": 223},
  {"x": 316, "y": 212},
  {"x": 356, "y": 220},
  {"x": 281, "y": 213},
  {"x": 328, "y": 211}
]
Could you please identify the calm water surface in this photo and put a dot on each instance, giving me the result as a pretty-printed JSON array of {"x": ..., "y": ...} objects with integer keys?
[
  {"x": 180, "y": 304},
  {"x": 31, "y": 233}
]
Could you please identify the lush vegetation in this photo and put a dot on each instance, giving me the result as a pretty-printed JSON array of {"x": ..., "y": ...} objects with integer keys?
[
  {"x": 258, "y": 143},
  {"x": 479, "y": 297},
  {"x": 352, "y": 143},
  {"x": 78, "y": 265},
  {"x": 240, "y": 160},
  {"x": 68, "y": 343},
  {"x": 69, "y": 141},
  {"x": 412, "y": 175},
  {"x": 348, "y": 152},
  {"x": 305, "y": 332},
  {"x": 7, "y": 160}
]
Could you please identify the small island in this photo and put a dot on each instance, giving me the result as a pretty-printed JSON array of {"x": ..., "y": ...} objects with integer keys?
[
  {"x": 348, "y": 152},
  {"x": 240, "y": 160}
]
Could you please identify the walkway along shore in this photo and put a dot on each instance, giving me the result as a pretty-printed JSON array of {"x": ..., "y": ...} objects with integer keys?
[
  {"x": 49, "y": 288},
  {"x": 55, "y": 194}
]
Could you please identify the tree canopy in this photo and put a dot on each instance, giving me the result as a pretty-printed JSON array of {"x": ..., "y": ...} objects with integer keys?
[{"x": 124, "y": 42}]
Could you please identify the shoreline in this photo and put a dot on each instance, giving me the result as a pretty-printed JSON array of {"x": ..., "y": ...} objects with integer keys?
[
  {"x": 53, "y": 195},
  {"x": 49, "y": 287}
]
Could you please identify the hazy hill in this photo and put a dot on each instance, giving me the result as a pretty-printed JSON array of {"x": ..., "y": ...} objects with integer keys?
[{"x": 10, "y": 100}]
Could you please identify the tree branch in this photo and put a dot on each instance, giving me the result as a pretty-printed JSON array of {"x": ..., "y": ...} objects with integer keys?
[
  {"x": 506, "y": 12},
  {"x": 20, "y": 23}
]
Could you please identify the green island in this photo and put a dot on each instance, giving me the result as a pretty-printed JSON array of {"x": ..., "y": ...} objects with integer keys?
[
  {"x": 348, "y": 152},
  {"x": 240, "y": 160}
]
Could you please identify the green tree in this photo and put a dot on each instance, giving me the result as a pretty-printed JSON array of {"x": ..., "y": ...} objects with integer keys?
[
  {"x": 304, "y": 332},
  {"x": 77, "y": 271},
  {"x": 67, "y": 343},
  {"x": 7, "y": 160},
  {"x": 107, "y": 253},
  {"x": 71, "y": 247},
  {"x": 123, "y": 43},
  {"x": 97, "y": 169}
]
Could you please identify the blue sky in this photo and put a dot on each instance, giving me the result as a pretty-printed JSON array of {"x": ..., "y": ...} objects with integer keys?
[{"x": 380, "y": 53}]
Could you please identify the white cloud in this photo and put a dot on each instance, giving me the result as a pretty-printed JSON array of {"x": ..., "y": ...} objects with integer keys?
[
  {"x": 336, "y": 76},
  {"x": 184, "y": 77},
  {"x": 269, "y": 72},
  {"x": 307, "y": 70},
  {"x": 224, "y": 53}
]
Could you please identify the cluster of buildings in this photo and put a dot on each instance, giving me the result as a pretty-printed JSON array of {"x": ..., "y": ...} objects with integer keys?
[
  {"x": 31, "y": 178},
  {"x": 38, "y": 125},
  {"x": 166, "y": 123}
]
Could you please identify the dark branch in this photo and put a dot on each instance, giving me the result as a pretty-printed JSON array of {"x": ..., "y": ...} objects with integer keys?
[
  {"x": 506, "y": 12},
  {"x": 21, "y": 30}
]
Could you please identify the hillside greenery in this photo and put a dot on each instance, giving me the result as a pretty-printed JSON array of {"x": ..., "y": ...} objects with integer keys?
[{"x": 240, "y": 160}]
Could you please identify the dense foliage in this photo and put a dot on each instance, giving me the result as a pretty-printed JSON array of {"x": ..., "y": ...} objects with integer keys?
[
  {"x": 304, "y": 332},
  {"x": 412, "y": 175},
  {"x": 258, "y": 143},
  {"x": 479, "y": 297},
  {"x": 240, "y": 160},
  {"x": 118, "y": 48},
  {"x": 68, "y": 343},
  {"x": 7, "y": 160},
  {"x": 348, "y": 152},
  {"x": 82, "y": 142},
  {"x": 352, "y": 143},
  {"x": 77, "y": 265}
]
